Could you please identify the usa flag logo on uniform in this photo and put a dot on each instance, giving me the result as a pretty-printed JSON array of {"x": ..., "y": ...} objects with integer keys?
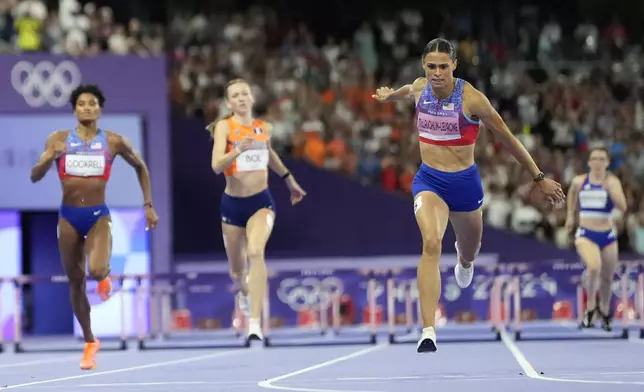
[{"x": 258, "y": 131}]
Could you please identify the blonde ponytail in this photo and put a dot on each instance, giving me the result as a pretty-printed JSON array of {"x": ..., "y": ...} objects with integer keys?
[{"x": 211, "y": 128}]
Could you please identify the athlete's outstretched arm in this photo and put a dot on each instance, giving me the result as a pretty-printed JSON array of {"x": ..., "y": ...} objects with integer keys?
[
  {"x": 54, "y": 146},
  {"x": 573, "y": 192},
  {"x": 481, "y": 107},
  {"x": 405, "y": 93},
  {"x": 220, "y": 158},
  {"x": 133, "y": 158},
  {"x": 387, "y": 94}
]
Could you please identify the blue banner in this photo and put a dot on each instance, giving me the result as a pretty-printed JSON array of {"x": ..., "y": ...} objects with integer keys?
[{"x": 292, "y": 293}]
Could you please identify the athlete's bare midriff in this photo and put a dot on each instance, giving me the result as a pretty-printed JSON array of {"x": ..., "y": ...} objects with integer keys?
[
  {"x": 83, "y": 192},
  {"x": 246, "y": 184},
  {"x": 597, "y": 224},
  {"x": 447, "y": 158}
]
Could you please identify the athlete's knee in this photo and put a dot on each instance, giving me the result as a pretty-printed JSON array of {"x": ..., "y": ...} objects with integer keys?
[
  {"x": 77, "y": 285},
  {"x": 605, "y": 281},
  {"x": 98, "y": 271},
  {"x": 255, "y": 253},
  {"x": 237, "y": 275},
  {"x": 257, "y": 264},
  {"x": 593, "y": 267},
  {"x": 592, "y": 261},
  {"x": 606, "y": 277},
  {"x": 432, "y": 247},
  {"x": 467, "y": 252},
  {"x": 593, "y": 278}
]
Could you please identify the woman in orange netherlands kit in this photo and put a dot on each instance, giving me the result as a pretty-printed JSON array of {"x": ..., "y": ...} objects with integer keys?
[
  {"x": 242, "y": 151},
  {"x": 84, "y": 157}
]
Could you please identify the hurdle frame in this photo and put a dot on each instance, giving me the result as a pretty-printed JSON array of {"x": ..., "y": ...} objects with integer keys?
[
  {"x": 155, "y": 312},
  {"x": 3, "y": 281},
  {"x": 512, "y": 293},
  {"x": 505, "y": 295},
  {"x": 393, "y": 338},
  {"x": 160, "y": 311},
  {"x": 17, "y": 342},
  {"x": 639, "y": 300},
  {"x": 334, "y": 307},
  {"x": 164, "y": 336}
]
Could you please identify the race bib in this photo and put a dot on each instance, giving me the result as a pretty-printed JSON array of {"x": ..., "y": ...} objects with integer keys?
[
  {"x": 593, "y": 198},
  {"x": 438, "y": 126},
  {"x": 252, "y": 160},
  {"x": 85, "y": 165}
]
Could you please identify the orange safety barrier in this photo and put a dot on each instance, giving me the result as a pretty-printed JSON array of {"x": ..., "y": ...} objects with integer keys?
[
  {"x": 630, "y": 309},
  {"x": 348, "y": 315},
  {"x": 441, "y": 315},
  {"x": 562, "y": 310},
  {"x": 181, "y": 319},
  {"x": 307, "y": 317},
  {"x": 380, "y": 315}
]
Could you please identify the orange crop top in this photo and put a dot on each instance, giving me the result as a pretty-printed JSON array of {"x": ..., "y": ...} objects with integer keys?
[{"x": 253, "y": 159}]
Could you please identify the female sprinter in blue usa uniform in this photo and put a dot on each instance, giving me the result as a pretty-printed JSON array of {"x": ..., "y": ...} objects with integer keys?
[
  {"x": 592, "y": 201},
  {"x": 447, "y": 185},
  {"x": 84, "y": 157},
  {"x": 242, "y": 152}
]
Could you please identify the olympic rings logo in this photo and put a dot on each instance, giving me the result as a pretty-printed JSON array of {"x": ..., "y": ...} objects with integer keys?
[
  {"x": 45, "y": 82},
  {"x": 309, "y": 293}
]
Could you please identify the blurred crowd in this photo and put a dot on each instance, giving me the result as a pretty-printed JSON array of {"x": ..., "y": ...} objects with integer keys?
[
  {"x": 561, "y": 92},
  {"x": 30, "y": 26}
]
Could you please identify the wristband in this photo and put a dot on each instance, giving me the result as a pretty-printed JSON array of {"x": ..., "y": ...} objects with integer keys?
[{"x": 285, "y": 176}]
